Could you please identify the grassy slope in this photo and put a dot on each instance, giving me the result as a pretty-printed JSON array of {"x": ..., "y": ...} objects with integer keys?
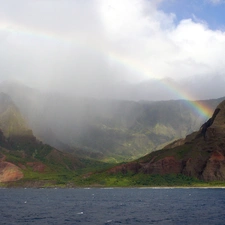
[{"x": 60, "y": 168}]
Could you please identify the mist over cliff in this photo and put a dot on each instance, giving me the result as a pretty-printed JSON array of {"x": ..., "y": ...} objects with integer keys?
[{"x": 107, "y": 129}]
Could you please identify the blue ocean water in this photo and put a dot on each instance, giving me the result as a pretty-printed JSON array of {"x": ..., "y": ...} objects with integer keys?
[{"x": 112, "y": 206}]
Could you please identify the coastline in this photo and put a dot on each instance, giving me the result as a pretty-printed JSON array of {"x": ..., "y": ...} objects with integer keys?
[{"x": 38, "y": 185}]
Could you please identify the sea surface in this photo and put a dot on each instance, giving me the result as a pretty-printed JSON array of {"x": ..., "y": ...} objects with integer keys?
[{"x": 112, "y": 206}]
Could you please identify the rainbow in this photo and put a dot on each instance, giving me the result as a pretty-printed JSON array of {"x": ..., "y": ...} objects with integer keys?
[
  {"x": 133, "y": 64},
  {"x": 37, "y": 33},
  {"x": 199, "y": 106}
]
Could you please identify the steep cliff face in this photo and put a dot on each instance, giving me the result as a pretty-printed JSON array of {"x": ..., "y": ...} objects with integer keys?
[{"x": 193, "y": 156}]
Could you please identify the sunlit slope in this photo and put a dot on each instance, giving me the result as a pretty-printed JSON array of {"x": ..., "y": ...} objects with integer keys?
[{"x": 11, "y": 121}]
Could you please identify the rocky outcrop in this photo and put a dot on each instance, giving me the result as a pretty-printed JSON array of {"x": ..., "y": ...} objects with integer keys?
[
  {"x": 163, "y": 166},
  {"x": 207, "y": 124},
  {"x": 175, "y": 143},
  {"x": 215, "y": 167},
  {"x": 124, "y": 168},
  {"x": 9, "y": 172},
  {"x": 37, "y": 166}
]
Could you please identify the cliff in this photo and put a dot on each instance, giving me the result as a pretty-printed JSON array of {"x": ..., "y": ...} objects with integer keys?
[{"x": 193, "y": 156}]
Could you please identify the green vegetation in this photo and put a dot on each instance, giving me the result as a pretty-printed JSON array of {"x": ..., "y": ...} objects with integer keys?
[
  {"x": 139, "y": 180},
  {"x": 73, "y": 179}
]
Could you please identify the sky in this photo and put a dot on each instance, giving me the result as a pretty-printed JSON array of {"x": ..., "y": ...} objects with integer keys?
[{"x": 114, "y": 48}]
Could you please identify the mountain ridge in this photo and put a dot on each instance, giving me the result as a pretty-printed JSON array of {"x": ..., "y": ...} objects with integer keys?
[
  {"x": 107, "y": 130},
  {"x": 192, "y": 156}
]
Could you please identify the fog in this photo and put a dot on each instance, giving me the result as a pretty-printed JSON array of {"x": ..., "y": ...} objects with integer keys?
[{"x": 126, "y": 49}]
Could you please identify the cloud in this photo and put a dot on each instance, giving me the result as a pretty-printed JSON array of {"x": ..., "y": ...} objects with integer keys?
[
  {"x": 216, "y": 2},
  {"x": 89, "y": 47}
]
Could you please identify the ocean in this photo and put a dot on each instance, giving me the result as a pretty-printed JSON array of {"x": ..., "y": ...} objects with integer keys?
[{"x": 110, "y": 206}]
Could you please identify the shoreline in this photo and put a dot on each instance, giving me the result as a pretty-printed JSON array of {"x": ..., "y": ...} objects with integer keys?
[{"x": 112, "y": 187}]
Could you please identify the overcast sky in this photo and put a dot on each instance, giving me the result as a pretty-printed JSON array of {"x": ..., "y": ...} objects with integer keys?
[{"x": 91, "y": 46}]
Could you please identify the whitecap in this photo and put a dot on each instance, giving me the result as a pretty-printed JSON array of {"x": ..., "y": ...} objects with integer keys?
[{"x": 109, "y": 188}]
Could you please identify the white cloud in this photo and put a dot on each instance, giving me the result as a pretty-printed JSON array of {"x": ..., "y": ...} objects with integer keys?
[
  {"x": 90, "y": 46},
  {"x": 216, "y": 2},
  {"x": 149, "y": 38}
]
